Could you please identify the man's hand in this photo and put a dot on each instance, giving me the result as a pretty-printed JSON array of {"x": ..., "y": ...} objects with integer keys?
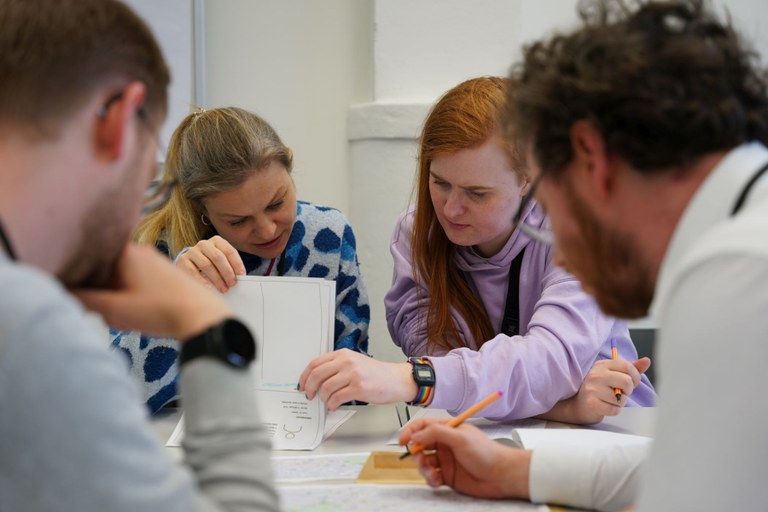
[
  {"x": 467, "y": 460},
  {"x": 154, "y": 297}
]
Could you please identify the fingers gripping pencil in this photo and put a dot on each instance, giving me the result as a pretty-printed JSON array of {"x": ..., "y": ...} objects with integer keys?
[
  {"x": 615, "y": 356},
  {"x": 458, "y": 420}
]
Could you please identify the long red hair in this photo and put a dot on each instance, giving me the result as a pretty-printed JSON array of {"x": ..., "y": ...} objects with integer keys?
[{"x": 464, "y": 117}]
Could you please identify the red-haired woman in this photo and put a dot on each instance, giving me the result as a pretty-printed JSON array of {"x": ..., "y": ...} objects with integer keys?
[{"x": 477, "y": 303}]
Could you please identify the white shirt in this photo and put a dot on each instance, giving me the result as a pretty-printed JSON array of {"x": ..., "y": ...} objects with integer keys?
[{"x": 710, "y": 448}]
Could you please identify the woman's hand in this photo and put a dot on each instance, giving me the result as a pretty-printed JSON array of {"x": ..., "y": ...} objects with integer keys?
[
  {"x": 596, "y": 397},
  {"x": 214, "y": 262},
  {"x": 343, "y": 375}
]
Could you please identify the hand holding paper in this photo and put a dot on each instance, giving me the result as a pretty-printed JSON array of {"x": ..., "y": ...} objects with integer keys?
[{"x": 341, "y": 376}]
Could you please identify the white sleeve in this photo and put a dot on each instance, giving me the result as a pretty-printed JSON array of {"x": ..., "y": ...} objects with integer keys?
[
  {"x": 603, "y": 479},
  {"x": 710, "y": 446}
]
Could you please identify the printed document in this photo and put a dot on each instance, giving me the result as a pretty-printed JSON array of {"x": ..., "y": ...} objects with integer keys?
[{"x": 292, "y": 319}]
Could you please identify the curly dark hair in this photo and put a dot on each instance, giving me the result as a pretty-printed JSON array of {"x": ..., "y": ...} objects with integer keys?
[{"x": 665, "y": 82}]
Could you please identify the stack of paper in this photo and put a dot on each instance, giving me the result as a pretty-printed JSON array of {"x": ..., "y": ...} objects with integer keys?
[
  {"x": 292, "y": 319},
  {"x": 529, "y": 433}
]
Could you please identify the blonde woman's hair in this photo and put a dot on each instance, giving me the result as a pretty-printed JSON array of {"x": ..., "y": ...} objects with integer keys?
[{"x": 211, "y": 151}]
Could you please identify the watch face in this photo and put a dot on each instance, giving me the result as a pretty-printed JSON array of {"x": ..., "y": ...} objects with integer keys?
[
  {"x": 423, "y": 374},
  {"x": 241, "y": 347}
]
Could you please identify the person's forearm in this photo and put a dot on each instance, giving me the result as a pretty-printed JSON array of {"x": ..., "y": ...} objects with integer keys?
[
  {"x": 407, "y": 385},
  {"x": 516, "y": 474},
  {"x": 564, "y": 411},
  {"x": 225, "y": 443}
]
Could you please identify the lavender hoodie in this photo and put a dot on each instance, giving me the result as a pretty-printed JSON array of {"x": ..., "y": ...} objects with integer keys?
[{"x": 563, "y": 330}]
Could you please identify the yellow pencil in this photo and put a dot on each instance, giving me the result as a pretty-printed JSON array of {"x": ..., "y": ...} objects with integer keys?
[
  {"x": 458, "y": 420},
  {"x": 615, "y": 356}
]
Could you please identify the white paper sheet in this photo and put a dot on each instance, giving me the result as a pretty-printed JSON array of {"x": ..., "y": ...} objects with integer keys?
[
  {"x": 307, "y": 468},
  {"x": 493, "y": 429},
  {"x": 292, "y": 319},
  {"x": 383, "y": 498},
  {"x": 533, "y": 437},
  {"x": 333, "y": 420}
]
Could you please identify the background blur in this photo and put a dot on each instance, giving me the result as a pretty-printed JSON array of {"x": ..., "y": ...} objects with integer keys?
[{"x": 347, "y": 84}]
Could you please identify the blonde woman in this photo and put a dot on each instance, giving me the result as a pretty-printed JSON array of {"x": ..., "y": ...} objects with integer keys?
[{"x": 233, "y": 212}]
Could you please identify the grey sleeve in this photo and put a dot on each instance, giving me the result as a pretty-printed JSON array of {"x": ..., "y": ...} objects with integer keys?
[
  {"x": 74, "y": 433},
  {"x": 225, "y": 442}
]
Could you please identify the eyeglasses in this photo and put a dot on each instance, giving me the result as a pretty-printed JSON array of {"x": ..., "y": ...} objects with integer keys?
[
  {"x": 159, "y": 191},
  {"x": 157, "y": 195},
  {"x": 541, "y": 235}
]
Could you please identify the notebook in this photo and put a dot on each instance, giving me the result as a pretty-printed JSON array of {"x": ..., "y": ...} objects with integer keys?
[{"x": 529, "y": 433}]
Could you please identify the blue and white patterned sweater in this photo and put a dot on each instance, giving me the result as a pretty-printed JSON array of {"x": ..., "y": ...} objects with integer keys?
[{"x": 322, "y": 244}]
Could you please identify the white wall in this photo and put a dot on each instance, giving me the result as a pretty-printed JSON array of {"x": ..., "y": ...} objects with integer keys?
[
  {"x": 172, "y": 22},
  {"x": 299, "y": 64},
  {"x": 347, "y": 84},
  {"x": 421, "y": 49}
]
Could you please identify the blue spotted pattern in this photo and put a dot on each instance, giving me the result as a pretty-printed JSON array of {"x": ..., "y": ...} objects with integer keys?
[
  {"x": 165, "y": 395},
  {"x": 319, "y": 271},
  {"x": 159, "y": 360},
  {"x": 327, "y": 241},
  {"x": 153, "y": 362},
  {"x": 322, "y": 244},
  {"x": 349, "y": 246}
]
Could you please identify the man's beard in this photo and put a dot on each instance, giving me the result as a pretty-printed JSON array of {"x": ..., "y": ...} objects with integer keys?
[
  {"x": 610, "y": 265},
  {"x": 93, "y": 264},
  {"x": 105, "y": 231}
]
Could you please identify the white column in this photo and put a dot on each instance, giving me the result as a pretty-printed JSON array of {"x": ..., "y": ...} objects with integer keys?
[{"x": 421, "y": 49}]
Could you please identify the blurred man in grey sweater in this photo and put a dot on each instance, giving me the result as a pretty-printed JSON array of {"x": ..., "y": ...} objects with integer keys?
[{"x": 82, "y": 98}]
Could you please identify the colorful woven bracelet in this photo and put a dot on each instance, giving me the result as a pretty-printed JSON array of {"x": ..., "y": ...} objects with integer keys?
[{"x": 424, "y": 394}]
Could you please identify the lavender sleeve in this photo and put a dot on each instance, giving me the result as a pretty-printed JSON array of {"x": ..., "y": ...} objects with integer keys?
[
  {"x": 564, "y": 334},
  {"x": 536, "y": 370}
]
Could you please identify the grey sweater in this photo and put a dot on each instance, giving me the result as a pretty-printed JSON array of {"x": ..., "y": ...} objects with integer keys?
[{"x": 74, "y": 433}]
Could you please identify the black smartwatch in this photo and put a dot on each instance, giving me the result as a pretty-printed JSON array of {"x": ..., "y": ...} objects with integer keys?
[
  {"x": 424, "y": 376},
  {"x": 229, "y": 341}
]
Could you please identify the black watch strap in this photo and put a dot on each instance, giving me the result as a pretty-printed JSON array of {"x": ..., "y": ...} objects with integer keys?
[{"x": 229, "y": 341}]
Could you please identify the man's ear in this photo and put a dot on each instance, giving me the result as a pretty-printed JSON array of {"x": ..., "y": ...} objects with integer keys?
[
  {"x": 119, "y": 113},
  {"x": 524, "y": 182},
  {"x": 592, "y": 162}
]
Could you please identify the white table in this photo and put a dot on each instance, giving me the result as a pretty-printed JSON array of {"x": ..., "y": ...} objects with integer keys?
[{"x": 373, "y": 425}]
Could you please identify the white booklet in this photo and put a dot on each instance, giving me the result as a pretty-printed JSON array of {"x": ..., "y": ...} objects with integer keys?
[
  {"x": 493, "y": 429},
  {"x": 292, "y": 319},
  {"x": 333, "y": 420},
  {"x": 530, "y": 433},
  {"x": 532, "y": 437}
]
